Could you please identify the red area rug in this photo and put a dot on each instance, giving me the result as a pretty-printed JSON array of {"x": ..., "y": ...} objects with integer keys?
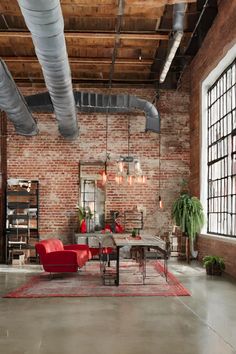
[{"x": 88, "y": 282}]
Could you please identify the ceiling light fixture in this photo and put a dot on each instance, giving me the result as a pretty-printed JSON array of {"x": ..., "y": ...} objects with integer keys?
[{"x": 127, "y": 172}]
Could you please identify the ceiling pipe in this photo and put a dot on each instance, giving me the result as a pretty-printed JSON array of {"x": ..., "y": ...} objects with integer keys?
[
  {"x": 13, "y": 103},
  {"x": 45, "y": 21},
  {"x": 90, "y": 102},
  {"x": 177, "y": 34}
]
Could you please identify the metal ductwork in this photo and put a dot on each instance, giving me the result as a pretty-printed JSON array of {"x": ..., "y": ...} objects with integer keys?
[
  {"x": 89, "y": 102},
  {"x": 13, "y": 103},
  {"x": 178, "y": 17},
  {"x": 174, "y": 42},
  {"x": 45, "y": 22}
]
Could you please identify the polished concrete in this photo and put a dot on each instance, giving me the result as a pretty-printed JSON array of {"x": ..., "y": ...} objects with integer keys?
[{"x": 204, "y": 323}]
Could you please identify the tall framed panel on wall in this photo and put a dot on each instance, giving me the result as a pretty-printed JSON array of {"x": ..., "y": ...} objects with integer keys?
[{"x": 92, "y": 193}]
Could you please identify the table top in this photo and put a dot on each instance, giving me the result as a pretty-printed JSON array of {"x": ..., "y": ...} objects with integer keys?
[{"x": 144, "y": 240}]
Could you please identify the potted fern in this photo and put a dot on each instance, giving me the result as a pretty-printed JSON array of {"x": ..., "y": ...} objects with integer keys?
[
  {"x": 214, "y": 265},
  {"x": 187, "y": 213}
]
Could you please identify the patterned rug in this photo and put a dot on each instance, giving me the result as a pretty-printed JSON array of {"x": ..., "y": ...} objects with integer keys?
[{"x": 88, "y": 282}]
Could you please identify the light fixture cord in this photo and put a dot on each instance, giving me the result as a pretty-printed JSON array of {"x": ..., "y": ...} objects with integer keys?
[
  {"x": 128, "y": 142},
  {"x": 106, "y": 142},
  {"x": 109, "y": 100},
  {"x": 160, "y": 165}
]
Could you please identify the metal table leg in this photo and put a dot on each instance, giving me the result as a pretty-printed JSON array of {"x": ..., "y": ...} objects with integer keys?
[
  {"x": 166, "y": 267},
  {"x": 117, "y": 281}
]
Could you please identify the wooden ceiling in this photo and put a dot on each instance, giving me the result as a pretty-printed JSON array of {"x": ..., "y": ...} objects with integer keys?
[{"x": 109, "y": 42}]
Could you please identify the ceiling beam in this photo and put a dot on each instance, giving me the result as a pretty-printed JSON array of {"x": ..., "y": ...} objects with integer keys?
[
  {"x": 26, "y": 79},
  {"x": 83, "y": 61},
  {"x": 126, "y": 36}
]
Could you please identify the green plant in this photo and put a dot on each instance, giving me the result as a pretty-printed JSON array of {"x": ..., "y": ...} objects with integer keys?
[
  {"x": 187, "y": 213},
  {"x": 84, "y": 213},
  {"x": 214, "y": 261},
  {"x": 134, "y": 233}
]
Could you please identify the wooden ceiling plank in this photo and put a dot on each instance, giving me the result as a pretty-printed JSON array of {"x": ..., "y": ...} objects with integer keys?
[
  {"x": 82, "y": 60},
  {"x": 76, "y": 35}
]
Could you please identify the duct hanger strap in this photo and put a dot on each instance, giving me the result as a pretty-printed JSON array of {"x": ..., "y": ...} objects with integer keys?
[{"x": 13, "y": 103}]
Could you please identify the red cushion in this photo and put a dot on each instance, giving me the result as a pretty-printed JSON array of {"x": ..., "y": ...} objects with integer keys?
[{"x": 49, "y": 245}]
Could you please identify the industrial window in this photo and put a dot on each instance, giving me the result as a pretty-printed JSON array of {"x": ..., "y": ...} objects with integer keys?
[{"x": 221, "y": 109}]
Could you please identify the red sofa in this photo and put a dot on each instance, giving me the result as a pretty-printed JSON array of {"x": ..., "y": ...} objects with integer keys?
[{"x": 55, "y": 257}]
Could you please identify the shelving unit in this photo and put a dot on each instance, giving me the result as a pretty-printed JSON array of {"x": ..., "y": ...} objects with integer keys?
[{"x": 21, "y": 221}]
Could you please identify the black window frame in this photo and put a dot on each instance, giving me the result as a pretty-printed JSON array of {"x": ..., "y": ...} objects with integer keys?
[{"x": 221, "y": 154}]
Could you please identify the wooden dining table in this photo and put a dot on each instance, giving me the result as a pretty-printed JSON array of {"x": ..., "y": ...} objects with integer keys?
[{"x": 142, "y": 243}]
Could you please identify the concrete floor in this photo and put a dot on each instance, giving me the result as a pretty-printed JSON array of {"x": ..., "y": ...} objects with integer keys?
[{"x": 204, "y": 323}]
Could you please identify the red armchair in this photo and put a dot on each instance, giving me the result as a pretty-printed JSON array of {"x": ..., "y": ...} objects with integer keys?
[{"x": 55, "y": 257}]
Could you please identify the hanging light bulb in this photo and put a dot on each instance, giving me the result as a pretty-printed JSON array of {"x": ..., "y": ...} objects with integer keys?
[
  {"x": 137, "y": 167},
  {"x": 130, "y": 180},
  {"x": 160, "y": 203},
  {"x": 104, "y": 177},
  {"x": 120, "y": 166},
  {"x": 119, "y": 179},
  {"x": 144, "y": 179}
]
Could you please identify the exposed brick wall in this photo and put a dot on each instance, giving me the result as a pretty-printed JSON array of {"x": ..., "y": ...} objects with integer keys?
[
  {"x": 222, "y": 248},
  {"x": 218, "y": 41},
  {"x": 54, "y": 161}
]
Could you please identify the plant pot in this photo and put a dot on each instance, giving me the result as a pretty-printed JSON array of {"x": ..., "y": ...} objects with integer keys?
[
  {"x": 213, "y": 269},
  {"x": 83, "y": 227}
]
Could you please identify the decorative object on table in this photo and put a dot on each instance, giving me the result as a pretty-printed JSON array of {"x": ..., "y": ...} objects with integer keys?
[
  {"x": 187, "y": 213},
  {"x": 214, "y": 265},
  {"x": 84, "y": 215},
  {"x": 134, "y": 233}
]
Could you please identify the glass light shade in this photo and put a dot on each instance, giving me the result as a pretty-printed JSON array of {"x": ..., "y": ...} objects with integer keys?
[
  {"x": 130, "y": 180},
  {"x": 137, "y": 166},
  {"x": 104, "y": 177},
  {"x": 160, "y": 203},
  {"x": 120, "y": 166},
  {"x": 139, "y": 179},
  {"x": 144, "y": 179},
  {"x": 119, "y": 179}
]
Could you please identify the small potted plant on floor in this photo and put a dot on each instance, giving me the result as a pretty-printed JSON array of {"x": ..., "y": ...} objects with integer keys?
[{"x": 214, "y": 265}]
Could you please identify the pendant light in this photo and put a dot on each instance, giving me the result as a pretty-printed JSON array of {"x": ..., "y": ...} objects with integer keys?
[
  {"x": 104, "y": 173},
  {"x": 159, "y": 198}
]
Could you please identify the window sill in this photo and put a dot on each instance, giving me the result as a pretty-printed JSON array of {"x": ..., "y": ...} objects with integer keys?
[{"x": 219, "y": 238}]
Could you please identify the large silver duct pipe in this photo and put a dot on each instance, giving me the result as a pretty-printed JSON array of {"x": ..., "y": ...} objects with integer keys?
[
  {"x": 178, "y": 30},
  {"x": 13, "y": 103},
  {"x": 178, "y": 16},
  {"x": 45, "y": 22},
  {"x": 90, "y": 102}
]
